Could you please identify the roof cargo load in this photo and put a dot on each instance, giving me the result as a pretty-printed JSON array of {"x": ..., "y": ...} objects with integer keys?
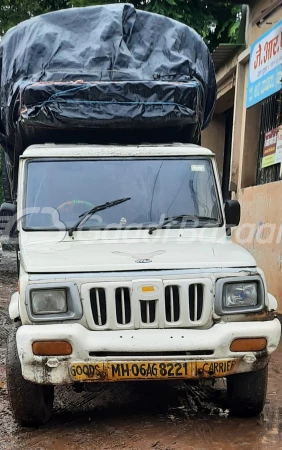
[{"x": 103, "y": 74}]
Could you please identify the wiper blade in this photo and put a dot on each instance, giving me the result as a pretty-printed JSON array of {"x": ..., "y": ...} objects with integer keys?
[
  {"x": 94, "y": 210},
  {"x": 187, "y": 218}
]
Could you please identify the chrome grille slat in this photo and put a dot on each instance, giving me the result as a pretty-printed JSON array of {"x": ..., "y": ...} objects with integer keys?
[
  {"x": 98, "y": 307},
  {"x": 147, "y": 312},
  {"x": 171, "y": 303},
  {"x": 122, "y": 306},
  {"x": 195, "y": 302}
]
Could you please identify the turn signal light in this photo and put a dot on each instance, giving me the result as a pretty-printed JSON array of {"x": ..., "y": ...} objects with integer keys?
[
  {"x": 248, "y": 345},
  {"x": 51, "y": 348},
  {"x": 148, "y": 289}
]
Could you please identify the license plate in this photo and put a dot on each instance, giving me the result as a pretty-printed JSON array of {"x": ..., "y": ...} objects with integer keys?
[{"x": 151, "y": 370}]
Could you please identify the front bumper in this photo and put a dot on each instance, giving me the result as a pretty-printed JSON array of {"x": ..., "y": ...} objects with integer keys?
[{"x": 104, "y": 347}]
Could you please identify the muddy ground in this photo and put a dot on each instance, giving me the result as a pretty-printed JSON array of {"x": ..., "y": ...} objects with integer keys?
[{"x": 139, "y": 416}]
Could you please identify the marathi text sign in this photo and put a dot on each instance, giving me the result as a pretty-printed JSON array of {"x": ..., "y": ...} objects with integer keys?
[
  {"x": 265, "y": 67},
  {"x": 269, "y": 149},
  {"x": 278, "y": 153}
]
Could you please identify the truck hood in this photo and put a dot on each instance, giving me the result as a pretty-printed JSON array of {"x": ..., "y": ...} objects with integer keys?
[{"x": 108, "y": 256}]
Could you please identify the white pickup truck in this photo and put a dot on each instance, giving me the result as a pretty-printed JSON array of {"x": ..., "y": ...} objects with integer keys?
[{"x": 127, "y": 272}]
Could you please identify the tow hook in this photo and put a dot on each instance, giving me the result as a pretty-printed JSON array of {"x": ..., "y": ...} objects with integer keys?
[
  {"x": 249, "y": 359},
  {"x": 52, "y": 363}
]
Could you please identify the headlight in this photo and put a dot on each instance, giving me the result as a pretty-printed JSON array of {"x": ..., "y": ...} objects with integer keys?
[
  {"x": 49, "y": 301},
  {"x": 240, "y": 294}
]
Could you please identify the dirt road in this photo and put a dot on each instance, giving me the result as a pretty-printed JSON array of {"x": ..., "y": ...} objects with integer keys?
[{"x": 140, "y": 416}]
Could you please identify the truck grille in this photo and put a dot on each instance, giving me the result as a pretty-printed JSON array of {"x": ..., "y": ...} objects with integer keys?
[
  {"x": 172, "y": 304},
  {"x": 180, "y": 304},
  {"x": 195, "y": 302},
  {"x": 148, "y": 311},
  {"x": 123, "y": 306},
  {"x": 98, "y": 306}
]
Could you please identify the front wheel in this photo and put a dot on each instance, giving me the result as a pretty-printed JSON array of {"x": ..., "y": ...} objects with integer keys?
[
  {"x": 31, "y": 404},
  {"x": 246, "y": 392}
]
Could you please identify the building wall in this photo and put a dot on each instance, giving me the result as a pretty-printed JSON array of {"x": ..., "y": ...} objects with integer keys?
[
  {"x": 260, "y": 230},
  {"x": 261, "y": 233},
  {"x": 213, "y": 138},
  {"x": 261, "y": 221},
  {"x": 256, "y": 10}
]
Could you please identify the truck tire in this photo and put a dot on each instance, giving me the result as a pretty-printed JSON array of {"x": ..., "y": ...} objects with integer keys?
[
  {"x": 31, "y": 404},
  {"x": 246, "y": 392},
  {"x": 5, "y": 179}
]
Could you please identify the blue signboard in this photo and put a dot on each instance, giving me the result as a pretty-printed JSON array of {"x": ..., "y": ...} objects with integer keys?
[{"x": 265, "y": 66}]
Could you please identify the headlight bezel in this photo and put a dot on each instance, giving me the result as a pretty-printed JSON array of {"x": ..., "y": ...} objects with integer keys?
[
  {"x": 221, "y": 309},
  {"x": 74, "y": 306}
]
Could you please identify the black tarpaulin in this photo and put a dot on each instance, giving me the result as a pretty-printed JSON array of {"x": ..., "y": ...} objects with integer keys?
[{"x": 76, "y": 74}]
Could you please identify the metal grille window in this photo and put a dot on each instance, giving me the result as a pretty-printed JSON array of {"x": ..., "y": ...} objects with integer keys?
[
  {"x": 196, "y": 296},
  {"x": 270, "y": 119},
  {"x": 172, "y": 304},
  {"x": 98, "y": 306},
  {"x": 123, "y": 306}
]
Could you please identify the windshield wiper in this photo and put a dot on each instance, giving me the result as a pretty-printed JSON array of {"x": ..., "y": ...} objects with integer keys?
[
  {"x": 94, "y": 210},
  {"x": 187, "y": 218}
]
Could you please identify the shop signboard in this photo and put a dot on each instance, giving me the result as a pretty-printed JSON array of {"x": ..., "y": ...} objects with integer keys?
[
  {"x": 269, "y": 149},
  {"x": 265, "y": 66}
]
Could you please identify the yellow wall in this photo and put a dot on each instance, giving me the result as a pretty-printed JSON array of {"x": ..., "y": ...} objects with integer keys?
[{"x": 260, "y": 231}]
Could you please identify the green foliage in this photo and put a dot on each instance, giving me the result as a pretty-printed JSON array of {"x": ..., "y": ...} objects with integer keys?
[
  {"x": 233, "y": 28},
  {"x": 215, "y": 21},
  {"x": 14, "y": 11}
]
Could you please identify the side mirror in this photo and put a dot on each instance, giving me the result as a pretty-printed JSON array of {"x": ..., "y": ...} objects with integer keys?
[
  {"x": 8, "y": 219},
  {"x": 232, "y": 213}
]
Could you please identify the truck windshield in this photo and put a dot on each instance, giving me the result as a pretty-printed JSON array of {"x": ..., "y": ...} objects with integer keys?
[{"x": 58, "y": 192}]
